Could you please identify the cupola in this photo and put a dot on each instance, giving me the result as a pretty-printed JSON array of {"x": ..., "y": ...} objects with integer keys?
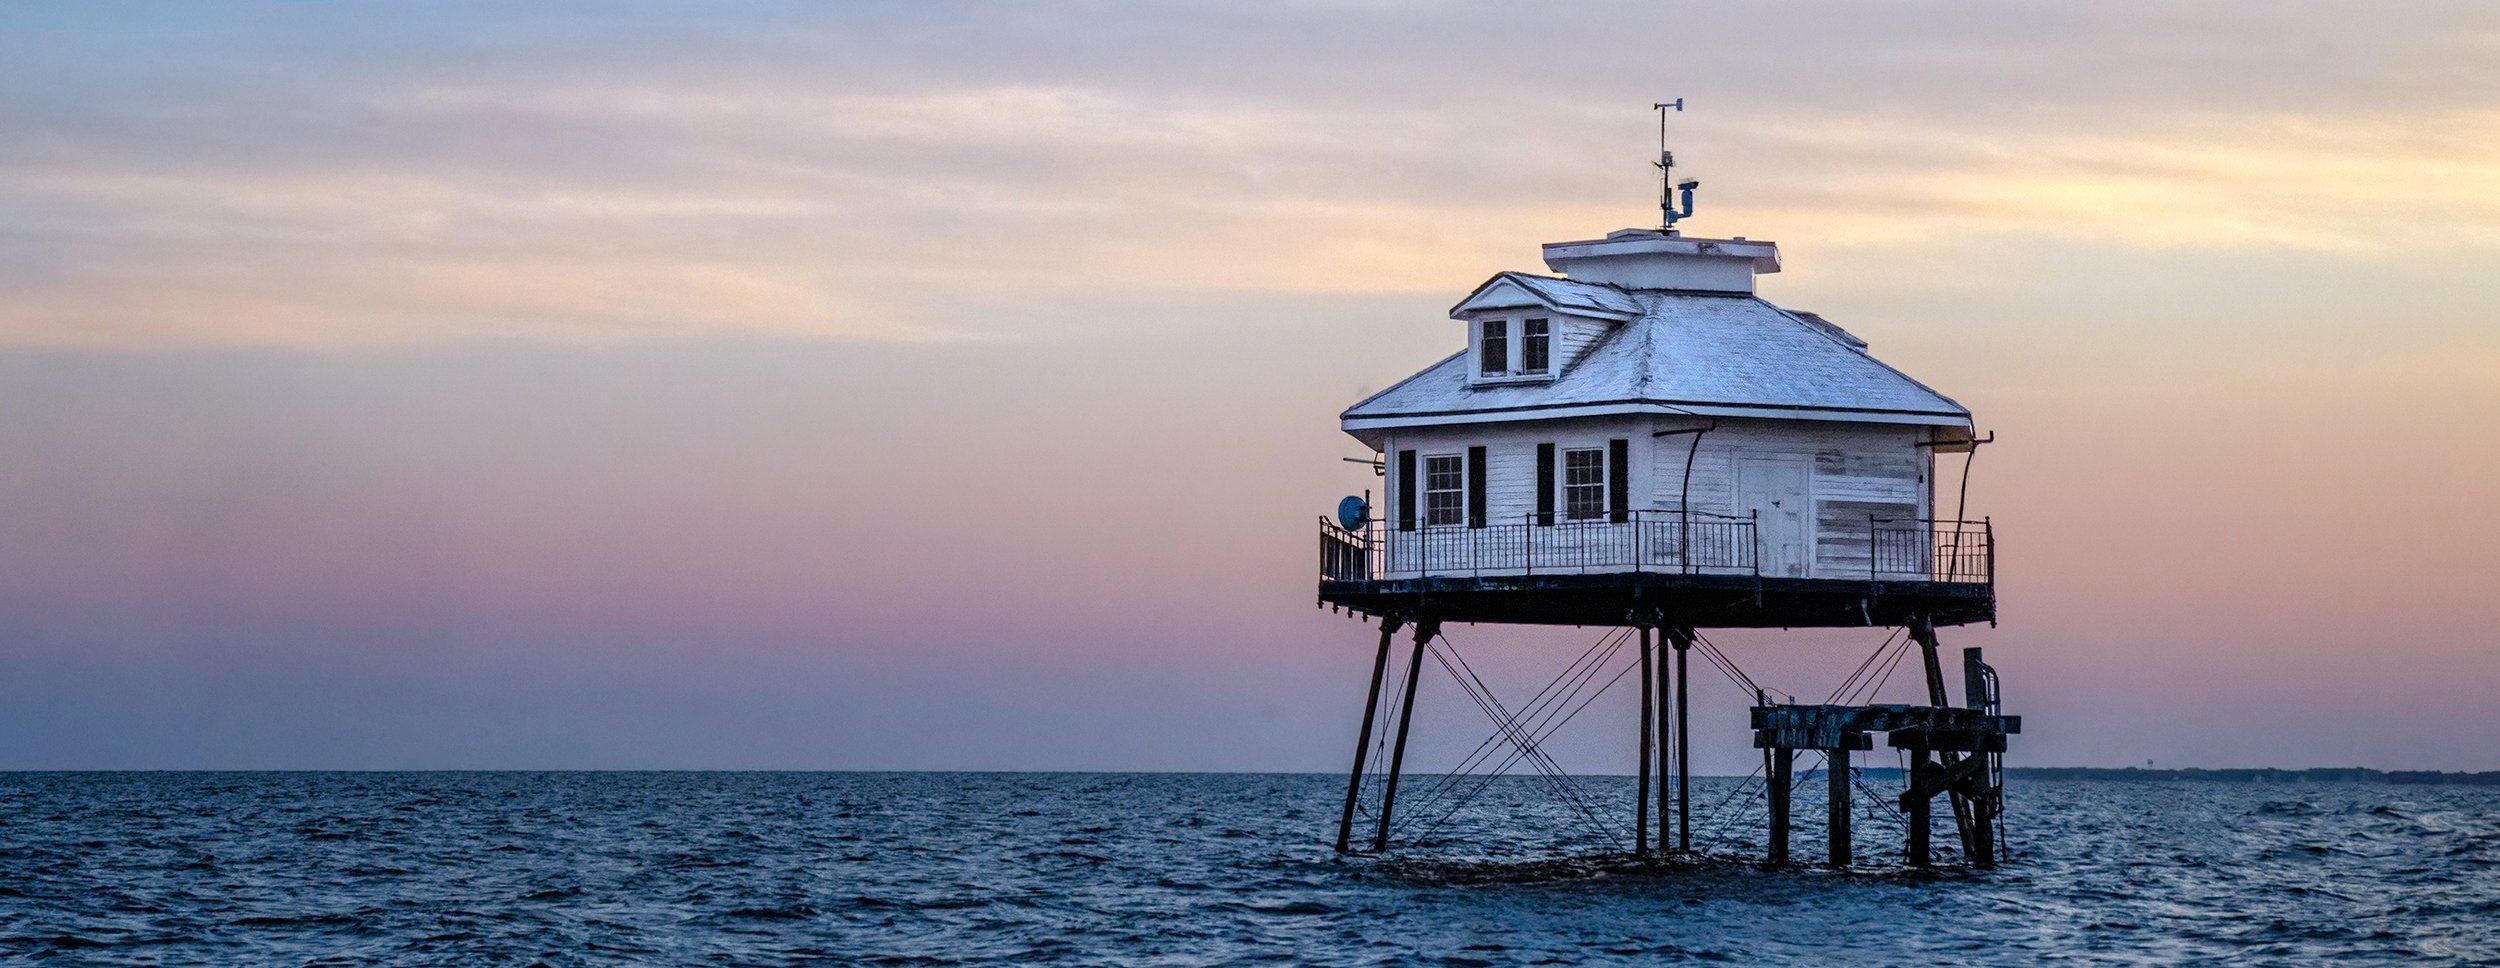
[{"x": 1652, "y": 259}]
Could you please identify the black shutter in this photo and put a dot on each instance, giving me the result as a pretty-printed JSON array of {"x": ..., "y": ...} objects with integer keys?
[
  {"x": 1475, "y": 487},
  {"x": 1545, "y": 484},
  {"x": 1619, "y": 479},
  {"x": 1406, "y": 490}
]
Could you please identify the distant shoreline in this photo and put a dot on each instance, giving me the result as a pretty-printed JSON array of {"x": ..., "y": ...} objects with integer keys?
[{"x": 2346, "y": 774}]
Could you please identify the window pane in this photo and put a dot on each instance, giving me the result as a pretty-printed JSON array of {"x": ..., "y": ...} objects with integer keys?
[
  {"x": 1532, "y": 341},
  {"x": 1445, "y": 491},
  {"x": 1584, "y": 483},
  {"x": 1495, "y": 355}
]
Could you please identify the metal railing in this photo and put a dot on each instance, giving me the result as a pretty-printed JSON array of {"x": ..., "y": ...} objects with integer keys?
[
  {"x": 1664, "y": 542},
  {"x": 1927, "y": 549},
  {"x": 1641, "y": 541}
]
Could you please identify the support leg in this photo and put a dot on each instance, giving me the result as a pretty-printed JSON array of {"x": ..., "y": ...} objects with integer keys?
[
  {"x": 1363, "y": 738},
  {"x": 1782, "y": 762},
  {"x": 1666, "y": 739},
  {"x": 1683, "y": 741},
  {"x": 1926, "y": 636},
  {"x": 1984, "y": 807},
  {"x": 1919, "y": 806},
  {"x": 1640, "y": 797},
  {"x": 1837, "y": 765},
  {"x": 1424, "y": 631}
]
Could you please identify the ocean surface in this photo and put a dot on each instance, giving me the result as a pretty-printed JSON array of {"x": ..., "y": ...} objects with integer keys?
[{"x": 931, "y": 869}]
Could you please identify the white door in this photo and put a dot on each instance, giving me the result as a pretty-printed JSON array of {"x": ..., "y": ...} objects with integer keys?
[{"x": 1774, "y": 489}]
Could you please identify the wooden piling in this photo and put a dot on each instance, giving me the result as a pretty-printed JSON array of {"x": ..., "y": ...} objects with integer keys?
[
  {"x": 1919, "y": 807},
  {"x": 1363, "y": 738},
  {"x": 1836, "y": 763},
  {"x": 1783, "y": 761},
  {"x": 1990, "y": 803},
  {"x": 1925, "y": 633}
]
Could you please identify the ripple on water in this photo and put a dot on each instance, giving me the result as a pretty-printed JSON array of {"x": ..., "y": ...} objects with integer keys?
[{"x": 906, "y": 869}]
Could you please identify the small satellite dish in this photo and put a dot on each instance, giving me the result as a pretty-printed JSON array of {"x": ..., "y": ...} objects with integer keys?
[{"x": 1354, "y": 513}]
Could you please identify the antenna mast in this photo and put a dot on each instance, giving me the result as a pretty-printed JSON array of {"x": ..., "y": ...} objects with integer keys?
[{"x": 1667, "y": 185}]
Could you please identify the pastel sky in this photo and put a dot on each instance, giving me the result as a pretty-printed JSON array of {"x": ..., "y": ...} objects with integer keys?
[{"x": 954, "y": 385}]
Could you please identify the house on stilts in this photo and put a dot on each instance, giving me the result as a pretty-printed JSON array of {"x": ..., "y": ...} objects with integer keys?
[{"x": 1639, "y": 439}]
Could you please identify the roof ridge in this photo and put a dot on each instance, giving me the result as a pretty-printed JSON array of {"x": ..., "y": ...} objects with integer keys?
[{"x": 1653, "y": 323}]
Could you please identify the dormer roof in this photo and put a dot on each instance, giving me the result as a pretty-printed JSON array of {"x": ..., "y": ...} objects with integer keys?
[
  {"x": 1511, "y": 290},
  {"x": 1710, "y": 354}
]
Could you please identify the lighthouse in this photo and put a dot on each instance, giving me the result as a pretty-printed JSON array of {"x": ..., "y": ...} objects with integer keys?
[{"x": 1637, "y": 439}]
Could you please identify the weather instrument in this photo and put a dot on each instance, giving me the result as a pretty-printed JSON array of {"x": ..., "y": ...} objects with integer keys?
[{"x": 1667, "y": 185}]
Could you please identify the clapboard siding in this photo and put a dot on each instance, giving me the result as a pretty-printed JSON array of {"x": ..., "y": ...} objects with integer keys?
[
  {"x": 1510, "y": 456},
  {"x": 1857, "y": 469},
  {"x": 1841, "y": 546},
  {"x": 1573, "y": 337}
]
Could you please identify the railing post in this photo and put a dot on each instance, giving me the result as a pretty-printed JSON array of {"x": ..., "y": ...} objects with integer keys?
[
  {"x": 1684, "y": 536},
  {"x": 1756, "y": 528},
  {"x": 1874, "y": 547},
  {"x": 1988, "y": 531}
]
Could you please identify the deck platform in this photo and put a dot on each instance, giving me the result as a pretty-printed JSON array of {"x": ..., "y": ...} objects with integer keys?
[{"x": 1701, "y": 601}]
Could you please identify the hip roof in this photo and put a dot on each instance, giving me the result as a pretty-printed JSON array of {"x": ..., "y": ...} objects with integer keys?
[{"x": 1722, "y": 354}]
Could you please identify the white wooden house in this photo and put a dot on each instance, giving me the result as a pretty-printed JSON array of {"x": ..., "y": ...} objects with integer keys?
[
  {"x": 1640, "y": 440},
  {"x": 1644, "y": 410}
]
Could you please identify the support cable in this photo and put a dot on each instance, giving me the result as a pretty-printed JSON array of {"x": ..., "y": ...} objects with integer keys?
[
  {"x": 1713, "y": 822},
  {"x": 1744, "y": 683},
  {"x": 1465, "y": 796},
  {"x": 1897, "y": 657},
  {"x": 1540, "y": 710},
  {"x": 1563, "y": 781},
  {"x": 1537, "y": 758},
  {"x": 1545, "y": 703},
  {"x": 1865, "y": 669}
]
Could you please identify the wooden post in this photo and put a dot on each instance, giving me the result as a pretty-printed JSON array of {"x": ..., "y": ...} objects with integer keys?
[
  {"x": 1984, "y": 807},
  {"x": 1640, "y": 797},
  {"x": 1684, "y": 743},
  {"x": 1782, "y": 762},
  {"x": 1919, "y": 806},
  {"x": 1424, "y": 631},
  {"x": 1990, "y": 803},
  {"x": 1363, "y": 738},
  {"x": 1836, "y": 763},
  {"x": 1925, "y": 633}
]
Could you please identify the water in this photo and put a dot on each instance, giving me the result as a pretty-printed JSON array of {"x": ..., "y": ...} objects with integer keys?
[{"x": 910, "y": 869}]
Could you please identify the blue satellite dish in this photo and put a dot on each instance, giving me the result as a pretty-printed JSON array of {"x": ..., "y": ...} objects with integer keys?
[{"x": 1354, "y": 513}]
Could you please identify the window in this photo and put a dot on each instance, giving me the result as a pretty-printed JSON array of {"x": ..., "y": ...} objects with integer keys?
[
  {"x": 1532, "y": 341},
  {"x": 1494, "y": 358},
  {"x": 1445, "y": 491},
  {"x": 1584, "y": 484}
]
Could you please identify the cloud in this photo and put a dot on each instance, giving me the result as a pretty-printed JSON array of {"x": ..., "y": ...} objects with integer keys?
[{"x": 873, "y": 174}]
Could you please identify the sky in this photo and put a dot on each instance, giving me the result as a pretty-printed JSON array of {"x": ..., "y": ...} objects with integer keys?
[{"x": 953, "y": 386}]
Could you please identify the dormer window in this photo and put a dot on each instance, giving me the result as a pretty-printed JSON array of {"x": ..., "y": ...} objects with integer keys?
[
  {"x": 1493, "y": 353},
  {"x": 1513, "y": 349}
]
